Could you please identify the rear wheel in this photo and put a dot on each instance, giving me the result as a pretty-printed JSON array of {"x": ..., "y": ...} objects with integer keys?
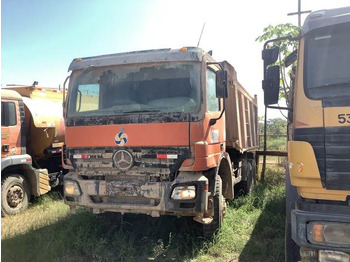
[
  {"x": 217, "y": 208},
  {"x": 15, "y": 195}
]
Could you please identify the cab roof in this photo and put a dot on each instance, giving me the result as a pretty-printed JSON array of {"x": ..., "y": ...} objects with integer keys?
[
  {"x": 146, "y": 56},
  {"x": 323, "y": 18}
]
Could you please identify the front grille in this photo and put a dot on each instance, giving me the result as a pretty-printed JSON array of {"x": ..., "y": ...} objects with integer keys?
[
  {"x": 332, "y": 151},
  {"x": 337, "y": 141},
  {"x": 94, "y": 162}
]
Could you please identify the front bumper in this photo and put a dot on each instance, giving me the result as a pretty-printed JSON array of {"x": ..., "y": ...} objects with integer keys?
[
  {"x": 307, "y": 213},
  {"x": 130, "y": 196}
]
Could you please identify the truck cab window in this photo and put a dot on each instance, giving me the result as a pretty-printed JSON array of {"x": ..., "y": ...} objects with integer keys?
[
  {"x": 8, "y": 114},
  {"x": 88, "y": 97},
  {"x": 213, "y": 101}
]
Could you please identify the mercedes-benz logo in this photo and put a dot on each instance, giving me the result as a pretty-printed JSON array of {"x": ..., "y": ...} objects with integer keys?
[{"x": 123, "y": 160}]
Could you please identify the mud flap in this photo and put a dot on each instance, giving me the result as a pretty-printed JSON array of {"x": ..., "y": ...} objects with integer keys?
[{"x": 43, "y": 181}]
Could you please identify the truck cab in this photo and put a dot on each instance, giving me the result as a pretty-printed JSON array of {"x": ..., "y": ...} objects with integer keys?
[
  {"x": 147, "y": 132},
  {"x": 318, "y": 177},
  {"x": 32, "y": 133}
]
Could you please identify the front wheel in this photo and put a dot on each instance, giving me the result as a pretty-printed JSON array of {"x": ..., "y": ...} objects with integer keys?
[
  {"x": 15, "y": 195},
  {"x": 216, "y": 207}
]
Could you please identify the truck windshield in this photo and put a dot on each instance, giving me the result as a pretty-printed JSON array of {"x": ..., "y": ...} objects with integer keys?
[
  {"x": 128, "y": 89},
  {"x": 327, "y": 62}
]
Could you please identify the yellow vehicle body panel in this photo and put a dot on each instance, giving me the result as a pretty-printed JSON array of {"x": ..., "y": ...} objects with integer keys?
[{"x": 304, "y": 173}]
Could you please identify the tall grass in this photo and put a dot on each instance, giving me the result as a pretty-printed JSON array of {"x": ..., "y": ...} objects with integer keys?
[{"x": 252, "y": 231}]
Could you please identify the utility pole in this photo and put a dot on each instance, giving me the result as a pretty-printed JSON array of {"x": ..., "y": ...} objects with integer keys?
[{"x": 299, "y": 13}]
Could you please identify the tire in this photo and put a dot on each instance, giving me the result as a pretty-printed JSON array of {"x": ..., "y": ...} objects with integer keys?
[
  {"x": 218, "y": 208},
  {"x": 245, "y": 187},
  {"x": 292, "y": 250},
  {"x": 15, "y": 195}
]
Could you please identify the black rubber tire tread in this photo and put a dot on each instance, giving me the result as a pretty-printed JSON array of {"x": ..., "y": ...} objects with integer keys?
[
  {"x": 6, "y": 184},
  {"x": 292, "y": 250},
  {"x": 210, "y": 229}
]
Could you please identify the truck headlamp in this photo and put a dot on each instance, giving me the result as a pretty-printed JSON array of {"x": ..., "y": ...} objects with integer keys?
[
  {"x": 71, "y": 188},
  {"x": 332, "y": 256},
  {"x": 329, "y": 233},
  {"x": 184, "y": 193}
]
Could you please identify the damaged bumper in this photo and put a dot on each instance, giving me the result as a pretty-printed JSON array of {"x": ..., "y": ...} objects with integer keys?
[{"x": 127, "y": 196}]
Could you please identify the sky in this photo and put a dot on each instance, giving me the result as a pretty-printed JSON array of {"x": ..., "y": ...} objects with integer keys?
[{"x": 39, "y": 38}]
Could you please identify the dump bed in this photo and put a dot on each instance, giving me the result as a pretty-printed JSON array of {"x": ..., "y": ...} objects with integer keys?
[
  {"x": 241, "y": 114},
  {"x": 43, "y": 120}
]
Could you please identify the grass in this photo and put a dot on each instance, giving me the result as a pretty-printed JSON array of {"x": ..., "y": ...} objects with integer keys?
[{"x": 253, "y": 230}]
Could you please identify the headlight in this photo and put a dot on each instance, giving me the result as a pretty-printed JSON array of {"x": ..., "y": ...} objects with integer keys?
[
  {"x": 333, "y": 256},
  {"x": 184, "y": 193},
  {"x": 329, "y": 234},
  {"x": 71, "y": 188}
]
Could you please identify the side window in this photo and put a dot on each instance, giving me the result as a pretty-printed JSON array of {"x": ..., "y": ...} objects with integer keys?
[
  {"x": 213, "y": 101},
  {"x": 8, "y": 114}
]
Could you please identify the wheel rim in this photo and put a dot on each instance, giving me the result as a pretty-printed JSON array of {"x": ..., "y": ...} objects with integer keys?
[{"x": 15, "y": 196}]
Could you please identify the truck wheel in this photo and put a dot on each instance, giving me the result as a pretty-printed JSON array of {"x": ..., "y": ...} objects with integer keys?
[
  {"x": 292, "y": 250},
  {"x": 217, "y": 206},
  {"x": 15, "y": 195}
]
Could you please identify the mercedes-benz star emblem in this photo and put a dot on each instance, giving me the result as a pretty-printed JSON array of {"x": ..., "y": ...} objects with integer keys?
[{"x": 123, "y": 160}]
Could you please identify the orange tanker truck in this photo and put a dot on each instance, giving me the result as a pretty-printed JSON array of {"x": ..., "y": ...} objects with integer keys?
[
  {"x": 32, "y": 135},
  {"x": 158, "y": 132}
]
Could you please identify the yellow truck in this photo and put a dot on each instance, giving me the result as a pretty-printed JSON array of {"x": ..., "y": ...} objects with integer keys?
[
  {"x": 318, "y": 177},
  {"x": 32, "y": 136}
]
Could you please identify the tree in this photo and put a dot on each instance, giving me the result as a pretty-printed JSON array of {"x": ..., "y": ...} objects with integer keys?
[
  {"x": 276, "y": 129},
  {"x": 286, "y": 48}
]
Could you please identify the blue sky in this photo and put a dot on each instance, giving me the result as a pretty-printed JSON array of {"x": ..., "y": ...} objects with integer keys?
[{"x": 39, "y": 38}]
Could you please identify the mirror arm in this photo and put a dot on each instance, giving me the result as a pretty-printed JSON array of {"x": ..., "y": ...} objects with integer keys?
[
  {"x": 280, "y": 107},
  {"x": 212, "y": 121},
  {"x": 64, "y": 95}
]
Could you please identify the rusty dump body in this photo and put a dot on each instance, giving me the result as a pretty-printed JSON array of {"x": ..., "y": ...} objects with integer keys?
[{"x": 139, "y": 137}]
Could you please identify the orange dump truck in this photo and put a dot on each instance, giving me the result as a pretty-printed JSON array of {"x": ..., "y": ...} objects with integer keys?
[
  {"x": 32, "y": 135},
  {"x": 158, "y": 132}
]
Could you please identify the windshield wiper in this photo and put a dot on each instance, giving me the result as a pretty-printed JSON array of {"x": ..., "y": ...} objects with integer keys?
[{"x": 328, "y": 85}]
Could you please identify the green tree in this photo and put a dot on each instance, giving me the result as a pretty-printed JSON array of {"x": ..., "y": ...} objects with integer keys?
[{"x": 286, "y": 47}]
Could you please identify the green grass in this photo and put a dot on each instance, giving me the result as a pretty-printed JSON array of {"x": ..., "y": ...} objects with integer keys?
[{"x": 253, "y": 230}]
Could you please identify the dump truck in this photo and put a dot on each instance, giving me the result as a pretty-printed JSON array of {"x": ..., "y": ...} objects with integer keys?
[
  {"x": 32, "y": 137},
  {"x": 158, "y": 132},
  {"x": 318, "y": 174}
]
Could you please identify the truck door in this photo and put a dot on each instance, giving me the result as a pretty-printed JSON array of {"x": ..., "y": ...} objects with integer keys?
[{"x": 10, "y": 128}]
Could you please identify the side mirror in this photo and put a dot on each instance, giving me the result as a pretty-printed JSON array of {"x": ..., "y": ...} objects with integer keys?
[
  {"x": 221, "y": 84},
  {"x": 271, "y": 85},
  {"x": 270, "y": 55},
  {"x": 291, "y": 58}
]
